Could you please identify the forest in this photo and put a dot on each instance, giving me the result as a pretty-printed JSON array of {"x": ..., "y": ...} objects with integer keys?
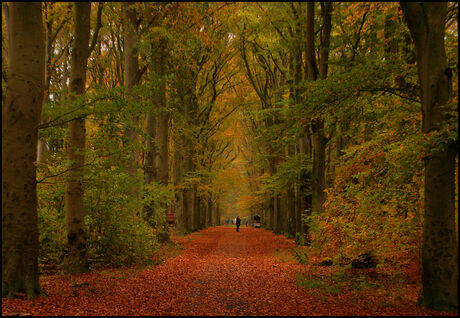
[{"x": 129, "y": 128}]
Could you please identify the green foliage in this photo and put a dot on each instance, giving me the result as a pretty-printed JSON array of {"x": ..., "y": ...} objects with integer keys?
[
  {"x": 117, "y": 234},
  {"x": 301, "y": 255},
  {"x": 301, "y": 239},
  {"x": 317, "y": 284},
  {"x": 374, "y": 204},
  {"x": 288, "y": 173},
  {"x": 51, "y": 225},
  {"x": 158, "y": 197}
]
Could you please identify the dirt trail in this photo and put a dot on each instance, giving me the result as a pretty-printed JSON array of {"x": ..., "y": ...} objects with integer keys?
[{"x": 220, "y": 272}]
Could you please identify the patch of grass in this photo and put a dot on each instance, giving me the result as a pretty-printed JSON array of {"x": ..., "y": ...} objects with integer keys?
[
  {"x": 317, "y": 284},
  {"x": 384, "y": 304},
  {"x": 167, "y": 250},
  {"x": 356, "y": 281},
  {"x": 283, "y": 255},
  {"x": 301, "y": 255},
  {"x": 173, "y": 249}
]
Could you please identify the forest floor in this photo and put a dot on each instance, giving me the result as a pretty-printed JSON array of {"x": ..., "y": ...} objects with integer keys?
[{"x": 223, "y": 272}]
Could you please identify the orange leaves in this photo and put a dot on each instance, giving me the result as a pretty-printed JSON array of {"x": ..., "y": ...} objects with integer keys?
[{"x": 220, "y": 272}]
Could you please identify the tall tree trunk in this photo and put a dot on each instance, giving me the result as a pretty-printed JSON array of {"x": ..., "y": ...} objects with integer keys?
[
  {"x": 162, "y": 127},
  {"x": 162, "y": 123},
  {"x": 310, "y": 57},
  {"x": 283, "y": 213},
  {"x": 303, "y": 186},
  {"x": 218, "y": 213},
  {"x": 20, "y": 119},
  {"x": 151, "y": 146},
  {"x": 76, "y": 259},
  {"x": 271, "y": 212},
  {"x": 276, "y": 217},
  {"x": 300, "y": 200},
  {"x": 150, "y": 174},
  {"x": 180, "y": 223},
  {"x": 42, "y": 147},
  {"x": 318, "y": 182},
  {"x": 210, "y": 221},
  {"x": 189, "y": 204},
  {"x": 131, "y": 79},
  {"x": 203, "y": 212},
  {"x": 319, "y": 139},
  {"x": 291, "y": 211},
  {"x": 196, "y": 210},
  {"x": 189, "y": 192},
  {"x": 439, "y": 250}
]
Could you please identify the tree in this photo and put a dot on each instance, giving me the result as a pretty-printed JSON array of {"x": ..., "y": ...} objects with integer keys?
[
  {"x": 20, "y": 119},
  {"x": 426, "y": 22},
  {"x": 75, "y": 259},
  {"x": 161, "y": 126},
  {"x": 131, "y": 79},
  {"x": 319, "y": 138},
  {"x": 157, "y": 124},
  {"x": 51, "y": 34}
]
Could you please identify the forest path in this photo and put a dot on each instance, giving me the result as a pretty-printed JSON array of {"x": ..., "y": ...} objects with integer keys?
[
  {"x": 239, "y": 275},
  {"x": 219, "y": 272}
]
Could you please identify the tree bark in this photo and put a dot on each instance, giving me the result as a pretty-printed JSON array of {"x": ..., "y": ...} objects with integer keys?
[
  {"x": 319, "y": 139},
  {"x": 311, "y": 67},
  {"x": 180, "y": 224},
  {"x": 318, "y": 182},
  {"x": 42, "y": 148},
  {"x": 283, "y": 213},
  {"x": 276, "y": 212},
  {"x": 75, "y": 260},
  {"x": 20, "y": 119},
  {"x": 150, "y": 148},
  {"x": 218, "y": 213},
  {"x": 196, "y": 210},
  {"x": 149, "y": 162},
  {"x": 162, "y": 127},
  {"x": 439, "y": 249},
  {"x": 190, "y": 151},
  {"x": 131, "y": 79},
  {"x": 209, "y": 218}
]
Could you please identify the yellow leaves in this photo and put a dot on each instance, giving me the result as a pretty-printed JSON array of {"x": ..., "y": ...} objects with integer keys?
[{"x": 229, "y": 133}]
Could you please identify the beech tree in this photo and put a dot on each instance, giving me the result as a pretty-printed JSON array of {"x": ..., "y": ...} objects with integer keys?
[
  {"x": 307, "y": 114},
  {"x": 20, "y": 119},
  {"x": 426, "y": 22},
  {"x": 131, "y": 79},
  {"x": 313, "y": 71},
  {"x": 75, "y": 259}
]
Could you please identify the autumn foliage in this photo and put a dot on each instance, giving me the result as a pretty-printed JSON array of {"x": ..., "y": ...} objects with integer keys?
[
  {"x": 178, "y": 116},
  {"x": 224, "y": 272}
]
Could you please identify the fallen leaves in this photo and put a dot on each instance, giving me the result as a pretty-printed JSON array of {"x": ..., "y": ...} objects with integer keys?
[{"x": 219, "y": 272}]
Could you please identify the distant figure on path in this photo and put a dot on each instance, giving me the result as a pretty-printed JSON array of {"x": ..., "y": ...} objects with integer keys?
[
  {"x": 246, "y": 223},
  {"x": 238, "y": 222}
]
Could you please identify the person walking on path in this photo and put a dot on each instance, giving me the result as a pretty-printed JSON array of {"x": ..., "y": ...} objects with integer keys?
[{"x": 238, "y": 222}]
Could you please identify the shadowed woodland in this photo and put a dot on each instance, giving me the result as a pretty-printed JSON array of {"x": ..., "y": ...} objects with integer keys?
[{"x": 134, "y": 132}]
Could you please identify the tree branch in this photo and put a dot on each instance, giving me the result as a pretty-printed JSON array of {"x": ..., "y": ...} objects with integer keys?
[{"x": 98, "y": 26}]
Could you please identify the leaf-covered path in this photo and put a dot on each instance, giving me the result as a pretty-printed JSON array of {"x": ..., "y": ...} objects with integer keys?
[{"x": 220, "y": 272}]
